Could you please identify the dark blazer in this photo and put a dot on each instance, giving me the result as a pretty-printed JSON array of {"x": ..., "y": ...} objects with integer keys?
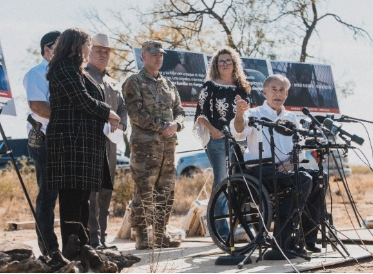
[{"x": 76, "y": 157}]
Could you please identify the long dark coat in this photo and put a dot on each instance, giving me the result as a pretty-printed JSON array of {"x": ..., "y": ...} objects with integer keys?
[{"x": 76, "y": 157}]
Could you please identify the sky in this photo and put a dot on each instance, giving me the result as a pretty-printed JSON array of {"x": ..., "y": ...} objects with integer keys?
[{"x": 24, "y": 22}]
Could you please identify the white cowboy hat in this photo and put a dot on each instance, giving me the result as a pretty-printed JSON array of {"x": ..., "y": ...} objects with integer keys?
[{"x": 101, "y": 40}]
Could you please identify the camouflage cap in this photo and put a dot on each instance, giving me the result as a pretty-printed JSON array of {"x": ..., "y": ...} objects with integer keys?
[{"x": 152, "y": 47}]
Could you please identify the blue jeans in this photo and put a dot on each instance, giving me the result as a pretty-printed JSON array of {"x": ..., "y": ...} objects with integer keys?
[
  {"x": 46, "y": 199},
  {"x": 215, "y": 150}
]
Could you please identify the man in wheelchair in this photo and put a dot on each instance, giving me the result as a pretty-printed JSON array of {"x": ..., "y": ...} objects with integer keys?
[{"x": 275, "y": 90}]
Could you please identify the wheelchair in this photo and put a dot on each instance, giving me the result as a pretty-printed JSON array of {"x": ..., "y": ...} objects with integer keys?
[
  {"x": 245, "y": 213},
  {"x": 245, "y": 197}
]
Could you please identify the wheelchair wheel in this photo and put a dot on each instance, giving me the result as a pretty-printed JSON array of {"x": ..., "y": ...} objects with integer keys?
[{"x": 244, "y": 213}]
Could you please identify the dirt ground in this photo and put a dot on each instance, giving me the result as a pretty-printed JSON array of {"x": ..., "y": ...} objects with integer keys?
[
  {"x": 342, "y": 213},
  {"x": 363, "y": 266}
]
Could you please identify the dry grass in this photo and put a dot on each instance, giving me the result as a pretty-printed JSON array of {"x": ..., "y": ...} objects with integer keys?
[
  {"x": 14, "y": 207},
  {"x": 13, "y": 203},
  {"x": 360, "y": 170},
  {"x": 360, "y": 186},
  {"x": 188, "y": 189}
]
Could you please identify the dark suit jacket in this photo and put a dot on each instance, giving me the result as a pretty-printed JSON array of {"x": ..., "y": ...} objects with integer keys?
[{"x": 76, "y": 157}]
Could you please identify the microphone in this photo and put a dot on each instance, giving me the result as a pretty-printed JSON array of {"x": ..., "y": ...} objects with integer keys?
[
  {"x": 287, "y": 127},
  {"x": 306, "y": 123},
  {"x": 291, "y": 127},
  {"x": 307, "y": 112},
  {"x": 315, "y": 123},
  {"x": 270, "y": 124},
  {"x": 336, "y": 127},
  {"x": 224, "y": 124},
  {"x": 310, "y": 142}
]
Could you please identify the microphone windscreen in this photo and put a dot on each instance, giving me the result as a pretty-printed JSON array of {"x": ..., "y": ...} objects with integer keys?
[
  {"x": 284, "y": 131},
  {"x": 306, "y": 123},
  {"x": 286, "y": 127},
  {"x": 310, "y": 142},
  {"x": 286, "y": 123},
  {"x": 266, "y": 119},
  {"x": 328, "y": 123},
  {"x": 320, "y": 118},
  {"x": 223, "y": 121},
  {"x": 305, "y": 111}
]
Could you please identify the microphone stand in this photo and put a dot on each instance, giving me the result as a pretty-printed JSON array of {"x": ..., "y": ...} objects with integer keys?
[
  {"x": 234, "y": 258},
  {"x": 274, "y": 254},
  {"x": 10, "y": 153},
  {"x": 259, "y": 240},
  {"x": 277, "y": 208},
  {"x": 326, "y": 220},
  {"x": 353, "y": 119},
  {"x": 295, "y": 216},
  {"x": 348, "y": 192},
  {"x": 298, "y": 239}
]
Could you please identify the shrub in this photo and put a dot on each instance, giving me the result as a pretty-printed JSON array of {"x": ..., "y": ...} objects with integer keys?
[{"x": 122, "y": 194}]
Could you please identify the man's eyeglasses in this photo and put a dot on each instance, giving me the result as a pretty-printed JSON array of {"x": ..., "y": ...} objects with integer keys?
[{"x": 225, "y": 62}]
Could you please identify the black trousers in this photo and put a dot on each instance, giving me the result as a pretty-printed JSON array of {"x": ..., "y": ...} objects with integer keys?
[
  {"x": 74, "y": 207},
  {"x": 315, "y": 204},
  {"x": 309, "y": 196}
]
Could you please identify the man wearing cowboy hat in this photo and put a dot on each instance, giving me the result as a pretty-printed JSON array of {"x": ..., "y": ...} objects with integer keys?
[{"x": 100, "y": 201}]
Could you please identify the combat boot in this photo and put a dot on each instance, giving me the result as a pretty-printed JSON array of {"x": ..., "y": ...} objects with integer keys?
[
  {"x": 164, "y": 240},
  {"x": 142, "y": 241}
]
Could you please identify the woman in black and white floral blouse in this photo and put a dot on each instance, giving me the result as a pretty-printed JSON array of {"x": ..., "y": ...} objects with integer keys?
[{"x": 217, "y": 99}]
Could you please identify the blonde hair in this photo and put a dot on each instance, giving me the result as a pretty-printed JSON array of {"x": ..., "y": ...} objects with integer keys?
[{"x": 239, "y": 77}]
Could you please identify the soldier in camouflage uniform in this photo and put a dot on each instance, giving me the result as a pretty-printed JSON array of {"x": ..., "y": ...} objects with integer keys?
[{"x": 154, "y": 107}]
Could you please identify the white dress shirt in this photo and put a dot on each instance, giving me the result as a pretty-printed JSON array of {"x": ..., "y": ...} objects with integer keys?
[{"x": 283, "y": 144}]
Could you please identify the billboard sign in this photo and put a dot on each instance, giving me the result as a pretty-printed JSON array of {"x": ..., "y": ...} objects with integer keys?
[
  {"x": 256, "y": 71},
  {"x": 187, "y": 70},
  {"x": 312, "y": 86},
  {"x": 6, "y": 101}
]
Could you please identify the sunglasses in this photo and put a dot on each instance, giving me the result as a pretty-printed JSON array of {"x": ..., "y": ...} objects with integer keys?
[{"x": 50, "y": 44}]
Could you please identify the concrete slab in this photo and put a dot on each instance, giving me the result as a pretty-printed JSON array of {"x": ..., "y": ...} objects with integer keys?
[
  {"x": 15, "y": 225},
  {"x": 198, "y": 255},
  {"x": 356, "y": 236}
]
